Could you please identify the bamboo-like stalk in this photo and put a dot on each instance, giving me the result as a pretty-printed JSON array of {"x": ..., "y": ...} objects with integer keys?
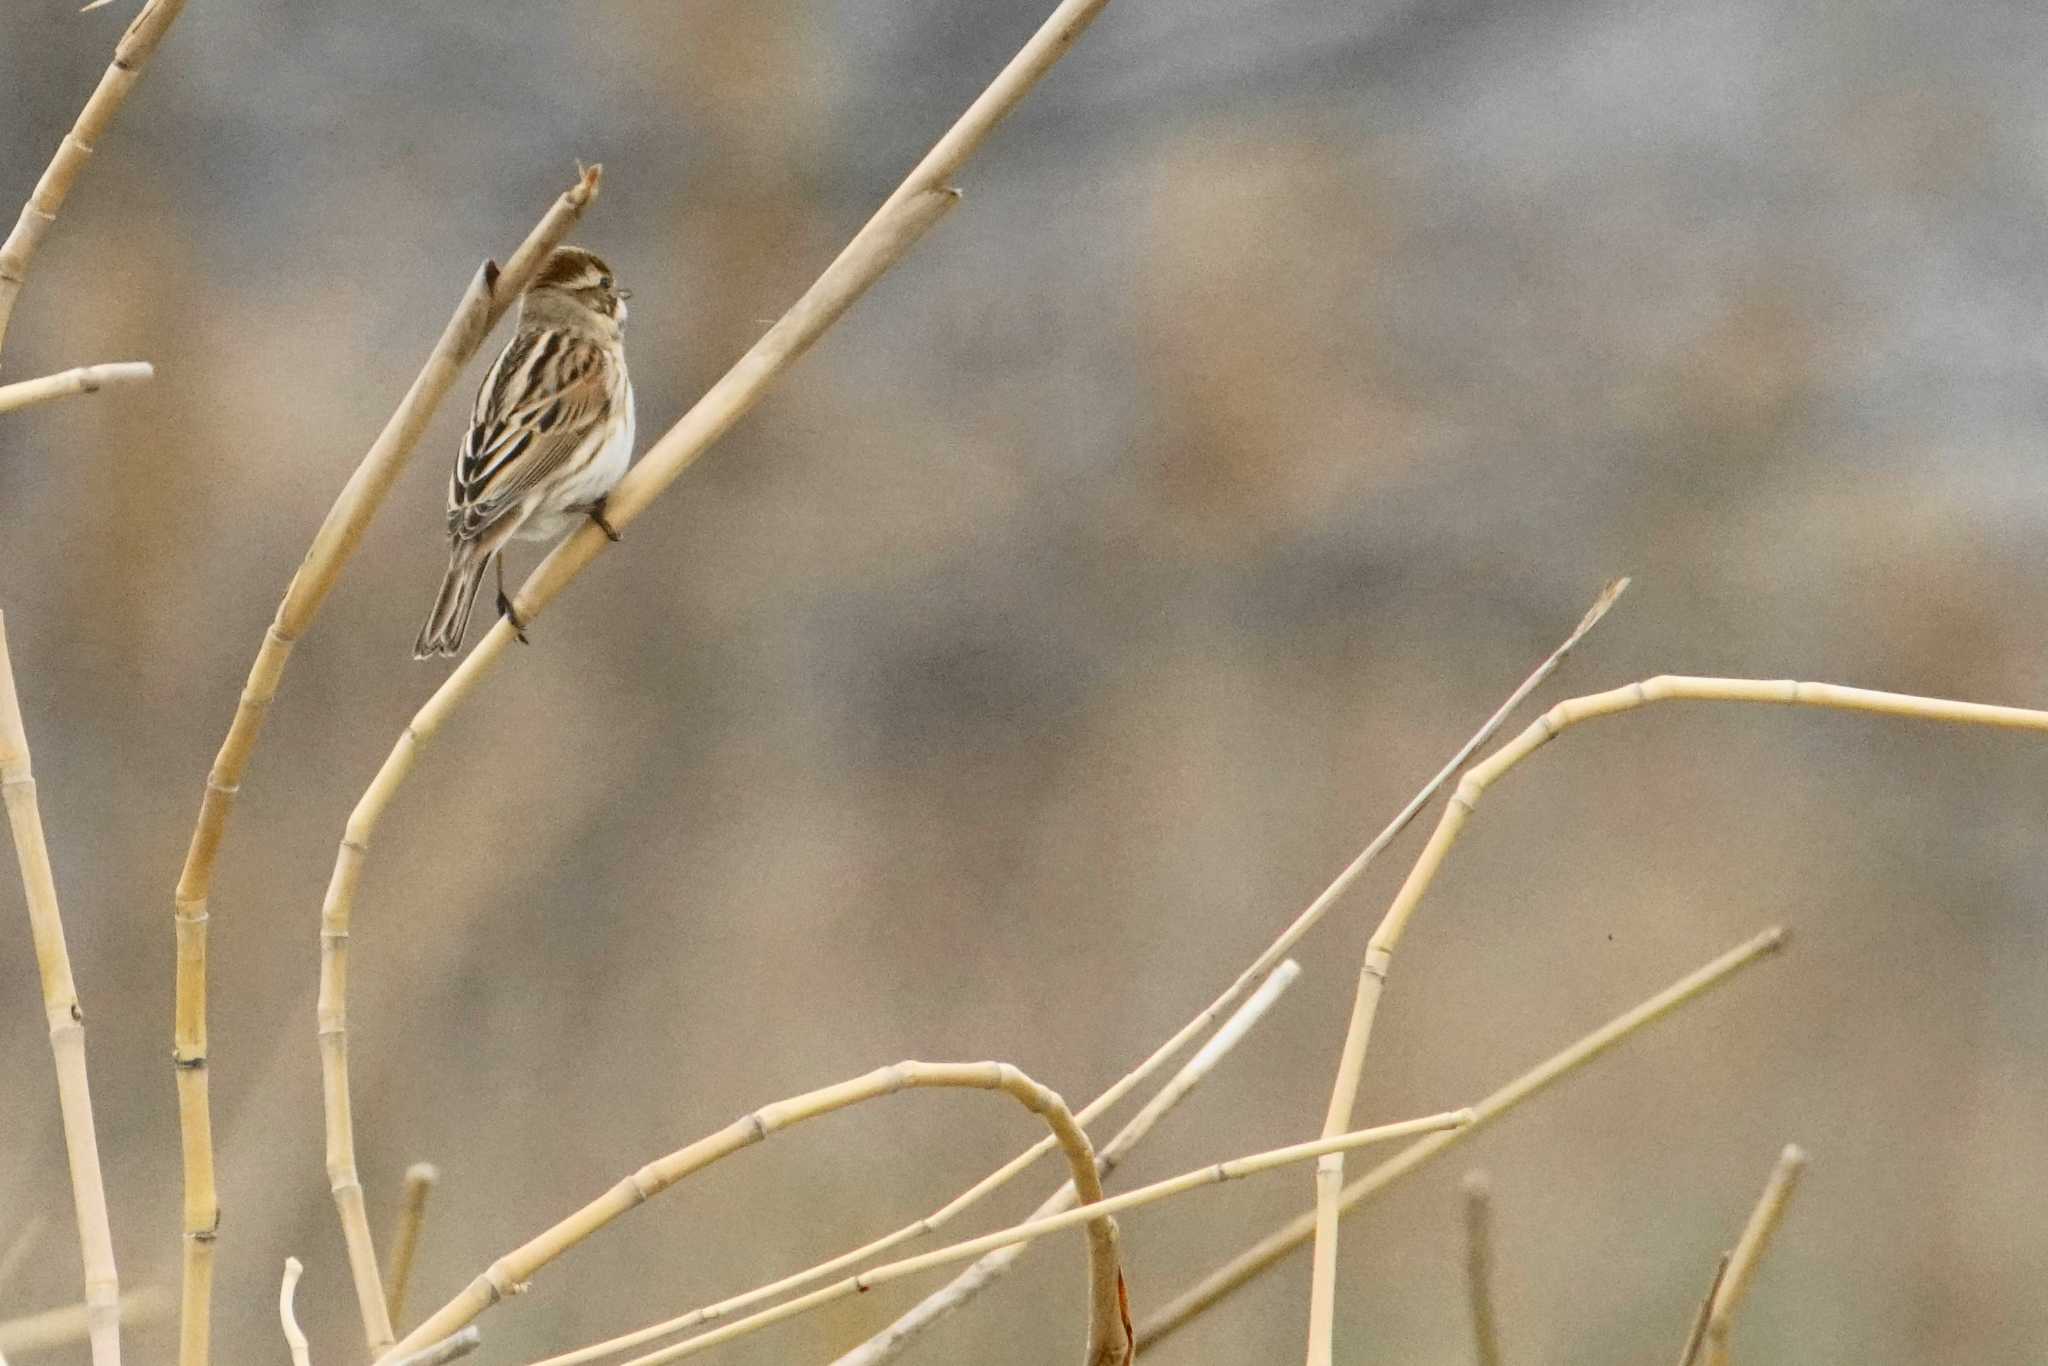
[
  {"x": 1479, "y": 1267},
  {"x": 956, "y": 1293},
  {"x": 1262, "y": 1255},
  {"x": 405, "y": 1241},
  {"x": 485, "y": 300},
  {"x": 446, "y": 1350},
  {"x": 138, "y": 44},
  {"x": 67, "y": 1324},
  {"x": 1108, "y": 1330},
  {"x": 66, "y": 1021},
  {"x": 1742, "y": 1263},
  {"x": 83, "y": 379},
  {"x": 1450, "y": 1121},
  {"x": 1695, "y": 1339},
  {"x": 287, "y": 1314},
  {"x": 1379, "y": 952}
]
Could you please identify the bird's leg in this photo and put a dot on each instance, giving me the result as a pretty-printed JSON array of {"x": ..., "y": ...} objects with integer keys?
[
  {"x": 596, "y": 511},
  {"x": 505, "y": 603}
]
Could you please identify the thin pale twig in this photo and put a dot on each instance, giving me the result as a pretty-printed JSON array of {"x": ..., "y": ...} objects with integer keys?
[
  {"x": 1750, "y": 1248},
  {"x": 446, "y": 1350},
  {"x": 419, "y": 1184},
  {"x": 1698, "y": 1335},
  {"x": 288, "y": 1316},
  {"x": 83, "y": 379}
]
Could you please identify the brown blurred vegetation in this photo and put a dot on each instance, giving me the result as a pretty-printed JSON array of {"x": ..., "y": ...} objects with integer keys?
[{"x": 1281, "y": 390}]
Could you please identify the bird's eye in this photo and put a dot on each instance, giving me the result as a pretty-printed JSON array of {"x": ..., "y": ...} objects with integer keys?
[{"x": 604, "y": 282}]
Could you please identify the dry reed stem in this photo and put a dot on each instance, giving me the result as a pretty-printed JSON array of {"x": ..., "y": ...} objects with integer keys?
[
  {"x": 962, "y": 1289},
  {"x": 25, "y": 1239},
  {"x": 1269, "y": 1250},
  {"x": 1216, "y": 1173},
  {"x": 294, "y": 1336},
  {"x": 1698, "y": 1336},
  {"x": 67, "y": 1324},
  {"x": 1479, "y": 1267},
  {"x": 1750, "y": 1248},
  {"x": 405, "y": 1241},
  {"x": 485, "y": 300},
  {"x": 1379, "y": 952},
  {"x": 1261, "y": 968},
  {"x": 1107, "y": 1336},
  {"x": 83, "y": 379},
  {"x": 446, "y": 1350},
  {"x": 1329, "y": 1178},
  {"x": 991, "y": 1268},
  {"x": 131, "y": 54},
  {"x": 66, "y": 1020}
]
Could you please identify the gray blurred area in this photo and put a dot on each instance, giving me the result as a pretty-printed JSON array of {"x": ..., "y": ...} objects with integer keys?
[{"x": 1290, "y": 377}]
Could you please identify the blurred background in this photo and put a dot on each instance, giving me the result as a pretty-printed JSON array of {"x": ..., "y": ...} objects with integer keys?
[{"x": 1288, "y": 381}]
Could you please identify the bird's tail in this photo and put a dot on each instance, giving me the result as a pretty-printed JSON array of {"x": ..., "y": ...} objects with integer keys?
[{"x": 449, "y": 621}]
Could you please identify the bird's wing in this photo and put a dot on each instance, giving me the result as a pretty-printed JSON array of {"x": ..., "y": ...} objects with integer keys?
[{"x": 545, "y": 397}]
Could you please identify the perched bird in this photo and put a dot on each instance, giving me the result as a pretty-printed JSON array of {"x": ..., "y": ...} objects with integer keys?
[{"x": 550, "y": 437}]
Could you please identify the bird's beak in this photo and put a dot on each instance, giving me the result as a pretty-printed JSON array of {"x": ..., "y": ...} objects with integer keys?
[{"x": 625, "y": 294}]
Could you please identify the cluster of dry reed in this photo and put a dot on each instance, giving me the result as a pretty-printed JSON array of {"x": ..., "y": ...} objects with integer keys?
[{"x": 1113, "y": 1336}]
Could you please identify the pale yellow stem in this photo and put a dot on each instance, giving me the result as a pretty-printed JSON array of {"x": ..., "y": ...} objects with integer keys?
[
  {"x": 1450, "y": 1121},
  {"x": 893, "y": 1340},
  {"x": 68, "y": 1323},
  {"x": 1262, "y": 1255},
  {"x": 287, "y": 1314},
  {"x": 485, "y": 300},
  {"x": 419, "y": 1183},
  {"x": 131, "y": 54},
  {"x": 1108, "y": 1343},
  {"x": 85, "y": 379},
  {"x": 1749, "y": 1250},
  {"x": 1380, "y": 950},
  {"x": 66, "y": 1020}
]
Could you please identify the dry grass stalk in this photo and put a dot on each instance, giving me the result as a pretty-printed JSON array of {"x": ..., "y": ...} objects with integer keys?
[
  {"x": 66, "y": 1022},
  {"x": 1380, "y": 950},
  {"x": 84, "y": 379},
  {"x": 67, "y": 1324},
  {"x": 1260, "y": 969},
  {"x": 489, "y": 293},
  {"x": 294, "y": 1336},
  {"x": 446, "y": 1350},
  {"x": 1749, "y": 1250},
  {"x": 1268, "y": 1251},
  {"x": 131, "y": 54},
  {"x": 405, "y": 1241},
  {"x": 992, "y": 1267},
  {"x": 1107, "y": 1336},
  {"x": 1215, "y": 1174},
  {"x": 1698, "y": 1336},
  {"x": 1479, "y": 1267}
]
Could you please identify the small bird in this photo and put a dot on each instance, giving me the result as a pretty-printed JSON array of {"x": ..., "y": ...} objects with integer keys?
[{"x": 550, "y": 437}]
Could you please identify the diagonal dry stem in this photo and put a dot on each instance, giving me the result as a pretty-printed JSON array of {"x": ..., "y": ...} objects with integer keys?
[
  {"x": 67, "y": 1323},
  {"x": 483, "y": 303},
  {"x": 510, "y": 1274},
  {"x": 1698, "y": 1336},
  {"x": 1438, "y": 1125},
  {"x": 419, "y": 1184},
  {"x": 66, "y": 1020},
  {"x": 1268, "y": 1251},
  {"x": 1740, "y": 1267},
  {"x": 83, "y": 379},
  {"x": 39, "y": 214},
  {"x": 1379, "y": 952}
]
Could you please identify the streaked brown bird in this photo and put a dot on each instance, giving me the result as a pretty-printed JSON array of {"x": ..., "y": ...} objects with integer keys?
[{"x": 550, "y": 437}]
